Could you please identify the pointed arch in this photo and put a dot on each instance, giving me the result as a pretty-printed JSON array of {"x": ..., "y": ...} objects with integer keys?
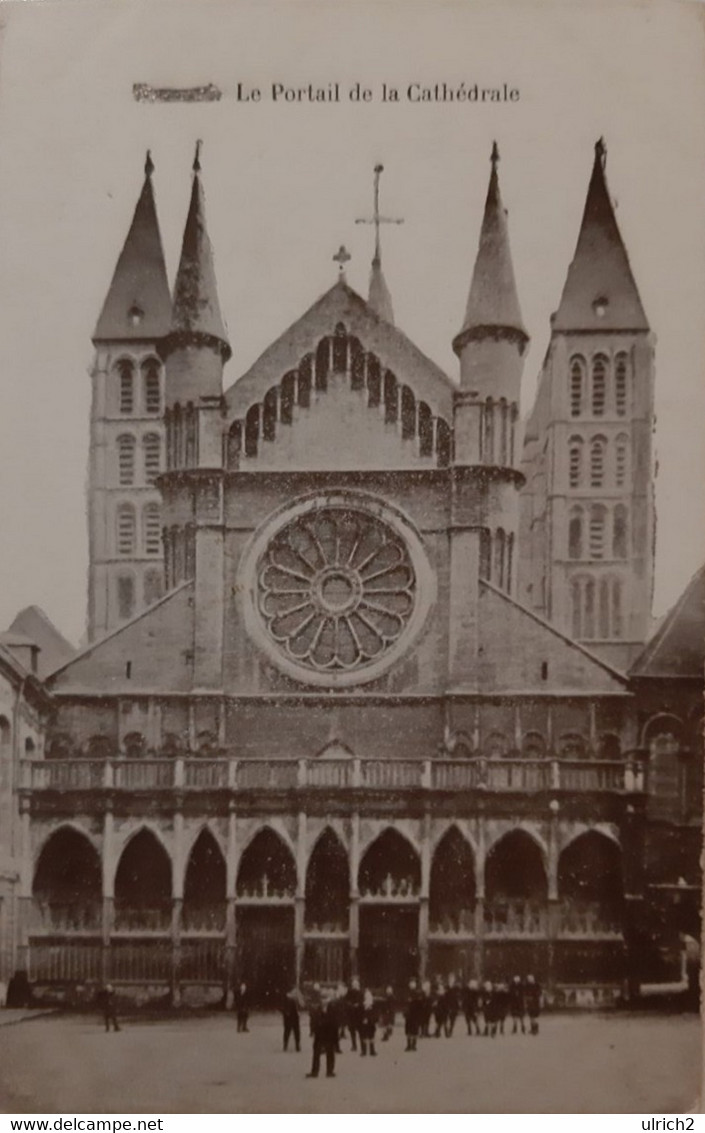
[
  {"x": 126, "y": 446},
  {"x": 590, "y": 870},
  {"x": 515, "y": 868},
  {"x": 204, "y": 884},
  {"x": 67, "y": 880},
  {"x": 267, "y": 866},
  {"x": 143, "y": 889},
  {"x": 452, "y": 885},
  {"x": 577, "y": 385},
  {"x": 391, "y": 865},
  {"x": 327, "y": 889}
]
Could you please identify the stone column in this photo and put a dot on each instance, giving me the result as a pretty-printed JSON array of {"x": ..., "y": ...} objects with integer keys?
[
  {"x": 480, "y": 858},
  {"x": 177, "y": 901},
  {"x": 231, "y": 906},
  {"x": 553, "y": 911},
  {"x": 424, "y": 893},
  {"x": 300, "y": 906},
  {"x": 24, "y": 903},
  {"x": 108, "y": 922},
  {"x": 354, "y": 915}
]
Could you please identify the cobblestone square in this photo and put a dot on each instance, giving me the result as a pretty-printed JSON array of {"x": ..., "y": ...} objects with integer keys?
[{"x": 583, "y": 1063}]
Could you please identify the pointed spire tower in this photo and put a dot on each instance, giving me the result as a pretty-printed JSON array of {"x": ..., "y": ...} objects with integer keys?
[
  {"x": 491, "y": 346},
  {"x": 600, "y": 293},
  {"x": 126, "y": 423},
  {"x": 588, "y": 460},
  {"x": 195, "y": 351},
  {"x": 138, "y": 306},
  {"x": 492, "y": 339}
]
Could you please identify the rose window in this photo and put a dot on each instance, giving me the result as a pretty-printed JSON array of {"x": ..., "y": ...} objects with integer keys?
[{"x": 336, "y": 589}]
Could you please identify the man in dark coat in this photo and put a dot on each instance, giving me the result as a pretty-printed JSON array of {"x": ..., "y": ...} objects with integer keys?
[
  {"x": 516, "y": 1004},
  {"x": 107, "y": 1003},
  {"x": 368, "y": 1024},
  {"x": 488, "y": 1009},
  {"x": 387, "y": 1014},
  {"x": 532, "y": 1000},
  {"x": 452, "y": 1005},
  {"x": 290, "y": 1017},
  {"x": 241, "y": 1007},
  {"x": 324, "y": 1029},
  {"x": 501, "y": 1005},
  {"x": 471, "y": 1006},
  {"x": 440, "y": 1009},
  {"x": 426, "y": 1009},
  {"x": 353, "y": 1007},
  {"x": 413, "y": 1015}
]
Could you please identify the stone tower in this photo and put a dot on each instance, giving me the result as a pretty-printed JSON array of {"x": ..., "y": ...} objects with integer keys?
[
  {"x": 587, "y": 508},
  {"x": 126, "y": 432},
  {"x": 194, "y": 353},
  {"x": 491, "y": 346}
]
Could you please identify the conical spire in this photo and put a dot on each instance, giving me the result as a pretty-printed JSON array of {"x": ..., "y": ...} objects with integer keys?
[
  {"x": 379, "y": 297},
  {"x": 493, "y": 305},
  {"x": 138, "y": 305},
  {"x": 196, "y": 309},
  {"x": 599, "y": 292}
]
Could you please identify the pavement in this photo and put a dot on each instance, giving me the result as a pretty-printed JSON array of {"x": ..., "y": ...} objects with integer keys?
[
  {"x": 589, "y": 1063},
  {"x": 10, "y": 1015}
]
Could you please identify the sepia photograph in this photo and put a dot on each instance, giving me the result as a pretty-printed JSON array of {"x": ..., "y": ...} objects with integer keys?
[{"x": 352, "y": 588}]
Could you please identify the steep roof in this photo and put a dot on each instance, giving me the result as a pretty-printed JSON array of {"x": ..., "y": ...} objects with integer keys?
[
  {"x": 55, "y": 650},
  {"x": 341, "y": 304},
  {"x": 138, "y": 305},
  {"x": 677, "y": 648},
  {"x": 493, "y": 299},
  {"x": 196, "y": 307},
  {"x": 599, "y": 277}
]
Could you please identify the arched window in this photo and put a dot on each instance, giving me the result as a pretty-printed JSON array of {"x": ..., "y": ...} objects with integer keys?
[
  {"x": 425, "y": 430},
  {"x": 621, "y": 460},
  {"x": 152, "y": 532},
  {"x": 391, "y": 398},
  {"x": 488, "y": 432},
  {"x": 533, "y": 746},
  {"x": 575, "y": 461},
  {"x": 152, "y": 457},
  {"x": 126, "y": 370},
  {"x": 408, "y": 414},
  {"x": 597, "y": 462},
  {"x": 269, "y": 414},
  {"x": 619, "y": 532},
  {"x": 495, "y": 746},
  {"x": 323, "y": 359},
  {"x": 125, "y": 596},
  {"x": 617, "y": 621},
  {"x": 134, "y": 745},
  {"x": 126, "y": 529},
  {"x": 589, "y": 609},
  {"x": 126, "y": 460},
  {"x": 29, "y": 747},
  {"x": 152, "y": 587},
  {"x": 599, "y": 385},
  {"x": 509, "y": 563},
  {"x": 621, "y": 375},
  {"x": 485, "y": 553},
  {"x": 252, "y": 431},
  {"x": 499, "y": 557},
  {"x": 152, "y": 390},
  {"x": 603, "y": 629},
  {"x": 503, "y": 432},
  {"x": 340, "y": 349},
  {"x": 598, "y": 520},
  {"x": 576, "y": 602},
  {"x": 577, "y": 383},
  {"x": 374, "y": 381},
  {"x": 287, "y": 398},
  {"x": 575, "y": 534},
  {"x": 571, "y": 745}
]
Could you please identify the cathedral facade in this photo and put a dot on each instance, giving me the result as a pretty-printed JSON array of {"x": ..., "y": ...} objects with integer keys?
[{"x": 356, "y": 698}]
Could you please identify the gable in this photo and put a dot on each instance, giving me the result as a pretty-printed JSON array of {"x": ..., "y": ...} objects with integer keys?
[
  {"x": 152, "y": 653},
  {"x": 677, "y": 649},
  {"x": 515, "y": 645}
]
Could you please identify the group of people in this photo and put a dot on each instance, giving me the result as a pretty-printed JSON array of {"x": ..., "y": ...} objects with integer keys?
[
  {"x": 485, "y": 1008},
  {"x": 430, "y": 1010}
]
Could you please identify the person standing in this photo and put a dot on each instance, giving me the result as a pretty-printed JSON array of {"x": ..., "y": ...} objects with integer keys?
[
  {"x": 353, "y": 1006},
  {"x": 388, "y": 1014},
  {"x": 413, "y": 1015},
  {"x": 452, "y": 1005},
  {"x": 290, "y": 1017},
  {"x": 532, "y": 999},
  {"x": 426, "y": 1008},
  {"x": 368, "y": 1024},
  {"x": 324, "y": 1029},
  {"x": 471, "y": 1006},
  {"x": 107, "y": 1000},
  {"x": 501, "y": 1005},
  {"x": 488, "y": 1009},
  {"x": 516, "y": 1005},
  {"x": 241, "y": 1006},
  {"x": 440, "y": 1007}
]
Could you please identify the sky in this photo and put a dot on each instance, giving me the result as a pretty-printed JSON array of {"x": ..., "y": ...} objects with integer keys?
[{"x": 285, "y": 181}]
